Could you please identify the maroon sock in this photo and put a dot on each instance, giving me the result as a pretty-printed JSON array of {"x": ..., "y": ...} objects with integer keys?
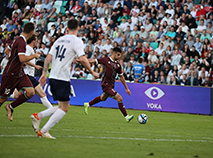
[
  {"x": 95, "y": 101},
  {"x": 122, "y": 108},
  {"x": 21, "y": 99}
]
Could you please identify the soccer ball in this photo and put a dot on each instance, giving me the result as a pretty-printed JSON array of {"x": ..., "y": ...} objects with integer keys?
[{"x": 142, "y": 118}]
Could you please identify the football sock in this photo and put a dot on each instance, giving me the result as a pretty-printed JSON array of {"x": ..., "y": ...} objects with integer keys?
[
  {"x": 126, "y": 116},
  {"x": 122, "y": 108},
  {"x": 47, "y": 112},
  {"x": 54, "y": 119},
  {"x": 21, "y": 99},
  {"x": 95, "y": 101},
  {"x": 46, "y": 102}
]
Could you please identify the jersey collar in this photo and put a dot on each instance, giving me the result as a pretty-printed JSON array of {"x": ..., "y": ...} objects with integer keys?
[
  {"x": 111, "y": 59},
  {"x": 23, "y": 38}
]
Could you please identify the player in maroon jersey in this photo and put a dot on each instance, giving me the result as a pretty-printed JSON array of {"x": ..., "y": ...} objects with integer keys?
[
  {"x": 13, "y": 75},
  {"x": 112, "y": 68}
]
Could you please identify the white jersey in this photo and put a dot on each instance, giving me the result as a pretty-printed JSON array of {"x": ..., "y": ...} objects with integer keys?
[
  {"x": 63, "y": 52},
  {"x": 30, "y": 70}
]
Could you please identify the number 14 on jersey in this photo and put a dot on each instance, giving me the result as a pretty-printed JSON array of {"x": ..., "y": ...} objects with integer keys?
[{"x": 60, "y": 50}]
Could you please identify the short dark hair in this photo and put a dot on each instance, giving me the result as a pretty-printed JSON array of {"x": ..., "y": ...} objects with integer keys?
[
  {"x": 117, "y": 49},
  {"x": 140, "y": 60},
  {"x": 28, "y": 27},
  {"x": 72, "y": 24},
  {"x": 32, "y": 38}
]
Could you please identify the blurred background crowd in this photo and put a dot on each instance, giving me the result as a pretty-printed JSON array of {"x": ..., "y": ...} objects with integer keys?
[{"x": 163, "y": 41}]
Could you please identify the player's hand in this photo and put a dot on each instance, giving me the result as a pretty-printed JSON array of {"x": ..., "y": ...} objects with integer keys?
[
  {"x": 36, "y": 55},
  {"x": 128, "y": 91},
  {"x": 77, "y": 60},
  {"x": 38, "y": 67},
  {"x": 43, "y": 80},
  {"x": 95, "y": 74}
]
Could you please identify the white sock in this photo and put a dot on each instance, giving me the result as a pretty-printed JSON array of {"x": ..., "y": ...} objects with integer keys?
[
  {"x": 47, "y": 112},
  {"x": 54, "y": 119},
  {"x": 126, "y": 116},
  {"x": 46, "y": 102}
]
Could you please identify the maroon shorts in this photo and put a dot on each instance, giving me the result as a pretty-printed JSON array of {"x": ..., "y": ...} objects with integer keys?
[
  {"x": 109, "y": 91},
  {"x": 9, "y": 83}
]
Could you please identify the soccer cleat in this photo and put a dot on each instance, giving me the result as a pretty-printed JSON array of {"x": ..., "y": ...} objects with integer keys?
[
  {"x": 129, "y": 118},
  {"x": 86, "y": 107},
  {"x": 35, "y": 122},
  {"x": 45, "y": 135},
  {"x": 9, "y": 112}
]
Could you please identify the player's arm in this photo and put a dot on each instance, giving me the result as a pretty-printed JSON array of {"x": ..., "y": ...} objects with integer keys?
[
  {"x": 92, "y": 60},
  {"x": 125, "y": 85},
  {"x": 24, "y": 58},
  {"x": 43, "y": 77},
  {"x": 7, "y": 51},
  {"x": 86, "y": 64},
  {"x": 38, "y": 67}
]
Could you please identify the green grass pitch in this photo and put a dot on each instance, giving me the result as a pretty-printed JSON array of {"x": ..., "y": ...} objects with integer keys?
[{"x": 104, "y": 133}]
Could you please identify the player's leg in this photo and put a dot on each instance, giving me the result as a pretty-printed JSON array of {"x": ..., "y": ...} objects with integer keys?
[
  {"x": 29, "y": 93},
  {"x": 37, "y": 117},
  {"x": 22, "y": 84},
  {"x": 54, "y": 119},
  {"x": 2, "y": 100},
  {"x": 40, "y": 92},
  {"x": 9, "y": 111},
  {"x": 96, "y": 100},
  {"x": 6, "y": 88},
  {"x": 16, "y": 94},
  {"x": 122, "y": 108},
  {"x": 61, "y": 92}
]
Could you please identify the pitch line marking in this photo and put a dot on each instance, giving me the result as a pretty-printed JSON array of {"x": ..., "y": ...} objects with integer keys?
[
  {"x": 97, "y": 131},
  {"x": 116, "y": 138}
]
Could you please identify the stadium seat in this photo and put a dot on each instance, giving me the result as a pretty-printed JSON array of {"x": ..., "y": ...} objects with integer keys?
[
  {"x": 63, "y": 7},
  {"x": 154, "y": 45},
  {"x": 58, "y": 5},
  {"x": 24, "y": 23},
  {"x": 64, "y": 3}
]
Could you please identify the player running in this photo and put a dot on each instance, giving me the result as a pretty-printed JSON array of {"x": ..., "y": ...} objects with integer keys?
[
  {"x": 13, "y": 75},
  {"x": 30, "y": 71},
  {"x": 61, "y": 54},
  {"x": 112, "y": 68}
]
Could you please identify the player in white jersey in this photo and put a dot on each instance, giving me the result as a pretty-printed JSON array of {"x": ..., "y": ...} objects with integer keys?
[
  {"x": 61, "y": 55},
  {"x": 30, "y": 72}
]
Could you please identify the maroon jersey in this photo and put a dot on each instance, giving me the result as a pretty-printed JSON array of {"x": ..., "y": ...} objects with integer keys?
[
  {"x": 14, "y": 66},
  {"x": 110, "y": 71}
]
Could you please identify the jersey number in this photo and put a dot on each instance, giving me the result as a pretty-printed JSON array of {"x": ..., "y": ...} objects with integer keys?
[{"x": 60, "y": 52}]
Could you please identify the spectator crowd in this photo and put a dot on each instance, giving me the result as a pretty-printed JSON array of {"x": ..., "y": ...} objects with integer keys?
[{"x": 163, "y": 41}]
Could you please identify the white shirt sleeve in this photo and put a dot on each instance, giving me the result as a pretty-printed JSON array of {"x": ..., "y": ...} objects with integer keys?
[
  {"x": 51, "y": 52},
  {"x": 28, "y": 51},
  {"x": 79, "y": 47}
]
